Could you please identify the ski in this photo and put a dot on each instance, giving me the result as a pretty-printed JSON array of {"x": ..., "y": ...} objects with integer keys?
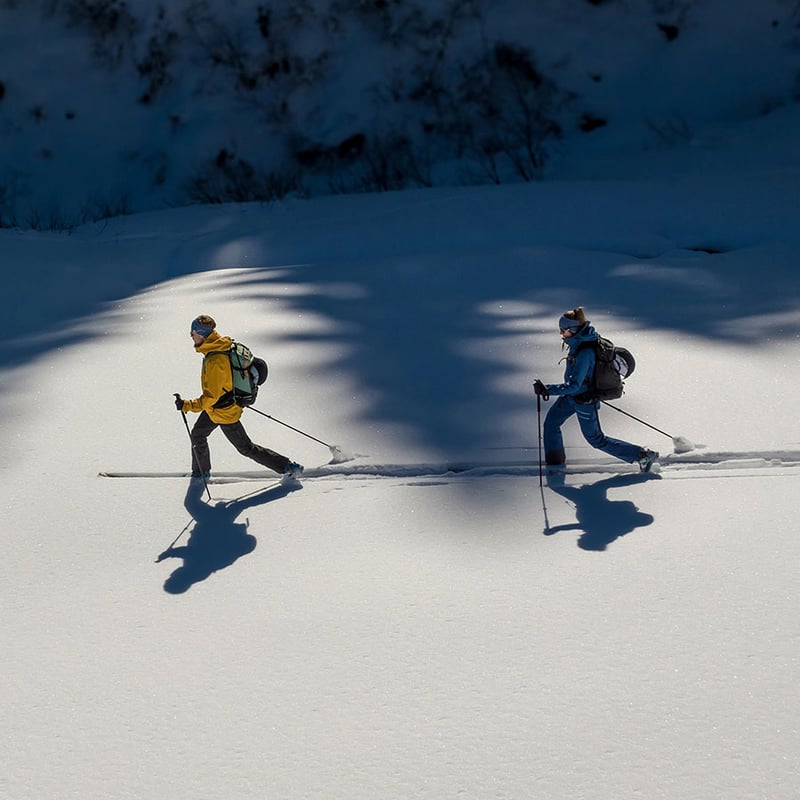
[
  {"x": 217, "y": 478},
  {"x": 674, "y": 465}
]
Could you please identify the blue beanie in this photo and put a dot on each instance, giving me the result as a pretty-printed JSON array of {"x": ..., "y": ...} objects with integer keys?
[
  {"x": 199, "y": 328},
  {"x": 567, "y": 324}
]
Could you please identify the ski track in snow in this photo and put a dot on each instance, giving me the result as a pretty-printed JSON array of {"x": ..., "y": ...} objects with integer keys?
[{"x": 693, "y": 465}]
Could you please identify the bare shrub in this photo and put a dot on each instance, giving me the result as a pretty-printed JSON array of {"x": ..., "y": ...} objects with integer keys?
[
  {"x": 11, "y": 190},
  {"x": 506, "y": 111},
  {"x": 49, "y": 219},
  {"x": 106, "y": 208},
  {"x": 110, "y": 23},
  {"x": 674, "y": 14},
  {"x": 230, "y": 179},
  {"x": 383, "y": 161},
  {"x": 268, "y": 62},
  {"x": 391, "y": 162},
  {"x": 161, "y": 52}
]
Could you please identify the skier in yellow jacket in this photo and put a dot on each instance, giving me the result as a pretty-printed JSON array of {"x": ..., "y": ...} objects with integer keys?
[{"x": 216, "y": 381}]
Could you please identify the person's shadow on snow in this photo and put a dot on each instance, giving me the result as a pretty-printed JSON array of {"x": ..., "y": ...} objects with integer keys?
[
  {"x": 601, "y": 520},
  {"x": 216, "y": 540}
]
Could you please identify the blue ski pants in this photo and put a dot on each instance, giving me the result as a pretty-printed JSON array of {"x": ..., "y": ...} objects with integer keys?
[{"x": 589, "y": 421}]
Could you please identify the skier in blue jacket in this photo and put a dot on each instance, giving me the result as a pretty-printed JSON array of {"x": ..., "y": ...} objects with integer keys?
[{"x": 574, "y": 397}]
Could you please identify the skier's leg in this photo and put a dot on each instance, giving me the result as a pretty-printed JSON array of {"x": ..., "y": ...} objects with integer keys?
[
  {"x": 238, "y": 437},
  {"x": 589, "y": 421},
  {"x": 558, "y": 414},
  {"x": 201, "y": 457}
]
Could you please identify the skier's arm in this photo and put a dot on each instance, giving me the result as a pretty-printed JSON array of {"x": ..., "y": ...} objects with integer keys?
[
  {"x": 216, "y": 381},
  {"x": 574, "y": 380}
]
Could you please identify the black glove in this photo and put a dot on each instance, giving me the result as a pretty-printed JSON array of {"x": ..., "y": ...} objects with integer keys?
[
  {"x": 178, "y": 402},
  {"x": 541, "y": 389}
]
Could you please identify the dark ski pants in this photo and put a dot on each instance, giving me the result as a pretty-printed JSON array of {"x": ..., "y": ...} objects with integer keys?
[
  {"x": 237, "y": 436},
  {"x": 589, "y": 421}
]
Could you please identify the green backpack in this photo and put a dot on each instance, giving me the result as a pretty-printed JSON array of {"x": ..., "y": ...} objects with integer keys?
[{"x": 248, "y": 373}]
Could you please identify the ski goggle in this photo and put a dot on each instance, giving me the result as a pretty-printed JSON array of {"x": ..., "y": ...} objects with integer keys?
[{"x": 200, "y": 329}]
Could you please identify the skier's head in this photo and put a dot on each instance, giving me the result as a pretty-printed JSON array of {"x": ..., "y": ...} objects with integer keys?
[
  {"x": 202, "y": 326},
  {"x": 572, "y": 321}
]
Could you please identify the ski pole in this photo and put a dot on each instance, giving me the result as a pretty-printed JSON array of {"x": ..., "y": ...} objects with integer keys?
[
  {"x": 680, "y": 443},
  {"x": 539, "y": 420},
  {"x": 335, "y": 451},
  {"x": 541, "y": 470},
  {"x": 540, "y": 389},
  {"x": 194, "y": 449},
  {"x": 658, "y": 430},
  {"x": 163, "y": 555}
]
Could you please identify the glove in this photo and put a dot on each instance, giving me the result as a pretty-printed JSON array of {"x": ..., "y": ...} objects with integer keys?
[
  {"x": 541, "y": 389},
  {"x": 178, "y": 402}
]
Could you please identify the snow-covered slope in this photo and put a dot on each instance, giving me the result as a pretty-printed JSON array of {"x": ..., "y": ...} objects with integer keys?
[
  {"x": 78, "y": 141},
  {"x": 394, "y": 628},
  {"x": 423, "y": 620}
]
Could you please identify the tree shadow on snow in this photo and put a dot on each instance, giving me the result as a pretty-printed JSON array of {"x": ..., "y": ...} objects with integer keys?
[
  {"x": 600, "y": 520},
  {"x": 217, "y": 540}
]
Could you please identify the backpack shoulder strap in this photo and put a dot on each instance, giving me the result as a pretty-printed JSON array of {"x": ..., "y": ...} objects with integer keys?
[
  {"x": 604, "y": 349},
  {"x": 226, "y": 353},
  {"x": 217, "y": 353},
  {"x": 593, "y": 346}
]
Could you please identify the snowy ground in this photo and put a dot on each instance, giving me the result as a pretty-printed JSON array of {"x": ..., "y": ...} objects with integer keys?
[{"x": 393, "y": 629}]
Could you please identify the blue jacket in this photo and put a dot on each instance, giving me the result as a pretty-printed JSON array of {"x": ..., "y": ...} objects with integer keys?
[{"x": 580, "y": 365}]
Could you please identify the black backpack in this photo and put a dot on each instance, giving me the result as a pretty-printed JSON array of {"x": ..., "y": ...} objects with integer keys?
[
  {"x": 612, "y": 365},
  {"x": 248, "y": 373}
]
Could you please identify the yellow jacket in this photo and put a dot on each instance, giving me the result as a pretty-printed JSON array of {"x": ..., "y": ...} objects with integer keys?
[{"x": 215, "y": 380}]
